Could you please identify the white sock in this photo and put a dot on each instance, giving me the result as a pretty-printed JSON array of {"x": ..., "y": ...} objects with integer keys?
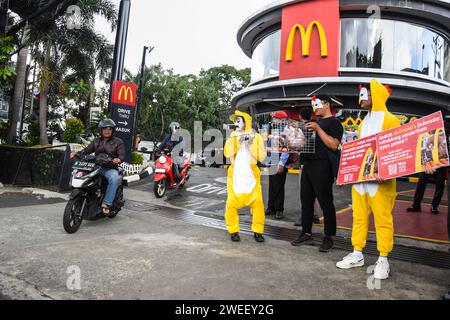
[
  {"x": 383, "y": 259},
  {"x": 358, "y": 254}
]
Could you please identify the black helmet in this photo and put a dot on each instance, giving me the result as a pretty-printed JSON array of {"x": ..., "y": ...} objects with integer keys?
[{"x": 107, "y": 123}]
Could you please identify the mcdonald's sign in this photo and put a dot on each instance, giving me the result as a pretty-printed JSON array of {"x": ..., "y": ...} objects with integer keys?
[
  {"x": 305, "y": 36},
  {"x": 310, "y": 35},
  {"x": 124, "y": 93}
]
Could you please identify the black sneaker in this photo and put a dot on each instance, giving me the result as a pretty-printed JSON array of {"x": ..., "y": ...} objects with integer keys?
[
  {"x": 259, "y": 237},
  {"x": 434, "y": 210},
  {"x": 269, "y": 212},
  {"x": 414, "y": 209},
  {"x": 279, "y": 215},
  {"x": 446, "y": 296},
  {"x": 235, "y": 237},
  {"x": 303, "y": 239},
  {"x": 327, "y": 244}
]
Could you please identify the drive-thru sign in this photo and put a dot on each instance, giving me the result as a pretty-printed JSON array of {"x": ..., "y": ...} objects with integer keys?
[{"x": 123, "y": 113}]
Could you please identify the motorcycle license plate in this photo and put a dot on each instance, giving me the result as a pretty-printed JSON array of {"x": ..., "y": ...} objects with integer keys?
[
  {"x": 82, "y": 165},
  {"x": 160, "y": 170}
]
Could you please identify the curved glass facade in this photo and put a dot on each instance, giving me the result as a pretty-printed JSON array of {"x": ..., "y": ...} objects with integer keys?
[
  {"x": 266, "y": 57},
  {"x": 388, "y": 45},
  {"x": 394, "y": 46}
]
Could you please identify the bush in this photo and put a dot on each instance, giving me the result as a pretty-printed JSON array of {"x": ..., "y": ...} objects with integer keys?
[
  {"x": 74, "y": 128},
  {"x": 4, "y": 128},
  {"x": 137, "y": 158},
  {"x": 33, "y": 134}
]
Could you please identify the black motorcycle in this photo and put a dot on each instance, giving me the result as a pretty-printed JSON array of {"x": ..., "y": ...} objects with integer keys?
[{"x": 89, "y": 189}]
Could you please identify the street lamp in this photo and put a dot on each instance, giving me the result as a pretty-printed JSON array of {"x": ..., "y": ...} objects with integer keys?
[
  {"x": 141, "y": 80},
  {"x": 141, "y": 83}
]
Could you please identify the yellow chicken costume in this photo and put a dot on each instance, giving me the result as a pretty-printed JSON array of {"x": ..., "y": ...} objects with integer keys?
[
  {"x": 244, "y": 177},
  {"x": 372, "y": 197}
]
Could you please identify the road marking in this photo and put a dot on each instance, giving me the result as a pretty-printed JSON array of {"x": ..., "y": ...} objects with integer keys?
[
  {"x": 221, "y": 180},
  {"x": 197, "y": 203},
  {"x": 208, "y": 188}
]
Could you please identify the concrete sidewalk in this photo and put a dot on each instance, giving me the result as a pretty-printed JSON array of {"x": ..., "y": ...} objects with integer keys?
[{"x": 142, "y": 255}]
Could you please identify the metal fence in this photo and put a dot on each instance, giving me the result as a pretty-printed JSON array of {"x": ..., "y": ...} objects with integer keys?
[{"x": 36, "y": 167}]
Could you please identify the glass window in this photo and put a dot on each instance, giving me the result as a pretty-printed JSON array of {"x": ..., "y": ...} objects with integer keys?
[
  {"x": 266, "y": 57},
  {"x": 394, "y": 46}
]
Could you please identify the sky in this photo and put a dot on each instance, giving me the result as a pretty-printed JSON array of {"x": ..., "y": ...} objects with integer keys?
[{"x": 188, "y": 35}]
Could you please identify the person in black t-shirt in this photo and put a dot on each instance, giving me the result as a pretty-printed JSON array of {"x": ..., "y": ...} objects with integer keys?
[
  {"x": 305, "y": 117},
  {"x": 319, "y": 174}
]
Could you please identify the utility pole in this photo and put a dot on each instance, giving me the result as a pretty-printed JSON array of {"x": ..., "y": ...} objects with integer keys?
[
  {"x": 120, "y": 45},
  {"x": 141, "y": 84}
]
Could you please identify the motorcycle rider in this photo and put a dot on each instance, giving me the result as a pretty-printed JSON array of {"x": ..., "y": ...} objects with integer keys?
[
  {"x": 113, "y": 147},
  {"x": 170, "y": 143}
]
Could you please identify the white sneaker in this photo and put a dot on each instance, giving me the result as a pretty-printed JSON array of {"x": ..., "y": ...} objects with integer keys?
[
  {"x": 381, "y": 271},
  {"x": 351, "y": 261}
]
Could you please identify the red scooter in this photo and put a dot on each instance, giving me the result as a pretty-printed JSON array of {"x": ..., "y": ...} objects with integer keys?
[{"x": 164, "y": 176}]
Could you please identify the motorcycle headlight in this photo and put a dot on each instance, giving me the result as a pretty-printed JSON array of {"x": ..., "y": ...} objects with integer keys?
[
  {"x": 162, "y": 160},
  {"x": 90, "y": 175}
]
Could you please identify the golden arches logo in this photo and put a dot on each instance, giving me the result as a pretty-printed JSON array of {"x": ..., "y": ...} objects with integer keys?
[
  {"x": 128, "y": 92},
  {"x": 306, "y": 40},
  {"x": 350, "y": 121}
]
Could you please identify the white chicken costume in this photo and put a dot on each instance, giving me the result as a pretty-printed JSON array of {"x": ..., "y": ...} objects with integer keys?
[
  {"x": 244, "y": 177},
  {"x": 372, "y": 197}
]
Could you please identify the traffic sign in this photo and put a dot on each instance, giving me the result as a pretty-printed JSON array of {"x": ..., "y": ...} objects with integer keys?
[{"x": 123, "y": 113}]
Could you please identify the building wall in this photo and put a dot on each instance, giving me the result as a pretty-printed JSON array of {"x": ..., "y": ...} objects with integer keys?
[{"x": 404, "y": 44}]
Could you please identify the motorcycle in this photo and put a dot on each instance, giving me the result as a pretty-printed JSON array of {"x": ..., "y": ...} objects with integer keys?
[
  {"x": 89, "y": 189},
  {"x": 165, "y": 177}
]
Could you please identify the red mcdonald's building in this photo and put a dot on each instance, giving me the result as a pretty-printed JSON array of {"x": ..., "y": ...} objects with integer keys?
[{"x": 299, "y": 46}]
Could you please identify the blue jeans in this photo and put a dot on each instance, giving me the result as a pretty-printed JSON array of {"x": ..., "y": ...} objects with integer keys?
[{"x": 113, "y": 178}]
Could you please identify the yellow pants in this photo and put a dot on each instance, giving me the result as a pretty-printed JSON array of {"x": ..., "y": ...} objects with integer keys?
[
  {"x": 381, "y": 205},
  {"x": 235, "y": 202}
]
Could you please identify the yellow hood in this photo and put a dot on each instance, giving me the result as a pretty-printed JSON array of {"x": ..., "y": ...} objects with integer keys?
[
  {"x": 247, "y": 119},
  {"x": 380, "y": 95}
]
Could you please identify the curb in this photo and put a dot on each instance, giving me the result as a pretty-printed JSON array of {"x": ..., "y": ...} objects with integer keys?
[
  {"x": 46, "y": 194},
  {"x": 136, "y": 177}
]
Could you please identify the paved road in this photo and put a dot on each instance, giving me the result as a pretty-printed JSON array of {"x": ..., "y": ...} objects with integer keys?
[
  {"x": 143, "y": 254},
  {"x": 206, "y": 191}
]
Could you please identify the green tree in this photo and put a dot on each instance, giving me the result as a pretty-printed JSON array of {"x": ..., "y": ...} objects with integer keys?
[
  {"x": 168, "y": 97},
  {"x": 6, "y": 48},
  {"x": 68, "y": 57},
  {"x": 74, "y": 127}
]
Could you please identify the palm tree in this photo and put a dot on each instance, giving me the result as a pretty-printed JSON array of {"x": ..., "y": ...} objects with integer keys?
[
  {"x": 67, "y": 56},
  {"x": 16, "y": 103}
]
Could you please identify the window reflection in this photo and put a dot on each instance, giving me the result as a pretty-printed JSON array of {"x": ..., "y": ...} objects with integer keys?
[
  {"x": 372, "y": 43},
  {"x": 394, "y": 46},
  {"x": 266, "y": 57}
]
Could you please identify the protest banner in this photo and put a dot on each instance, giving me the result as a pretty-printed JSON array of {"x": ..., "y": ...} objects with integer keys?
[
  {"x": 401, "y": 151},
  {"x": 358, "y": 161},
  {"x": 413, "y": 147}
]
